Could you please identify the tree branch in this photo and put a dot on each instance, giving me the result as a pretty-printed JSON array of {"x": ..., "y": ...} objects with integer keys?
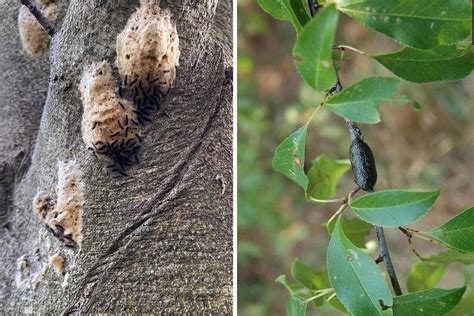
[
  {"x": 354, "y": 130},
  {"x": 385, "y": 255},
  {"x": 42, "y": 20}
]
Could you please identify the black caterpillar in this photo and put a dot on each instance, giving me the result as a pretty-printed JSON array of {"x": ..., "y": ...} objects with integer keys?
[{"x": 146, "y": 95}]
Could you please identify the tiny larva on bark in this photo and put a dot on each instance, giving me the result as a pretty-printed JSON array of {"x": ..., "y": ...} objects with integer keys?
[
  {"x": 147, "y": 57},
  {"x": 110, "y": 126},
  {"x": 63, "y": 216},
  {"x": 34, "y": 39},
  {"x": 362, "y": 161}
]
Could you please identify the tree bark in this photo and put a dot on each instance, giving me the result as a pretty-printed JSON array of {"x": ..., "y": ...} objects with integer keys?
[{"x": 159, "y": 240}]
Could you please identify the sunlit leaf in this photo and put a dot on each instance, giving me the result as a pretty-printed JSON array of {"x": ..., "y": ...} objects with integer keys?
[
  {"x": 422, "y": 24},
  {"x": 444, "y": 63},
  {"x": 458, "y": 232},
  {"x": 313, "y": 50},
  {"x": 324, "y": 176},
  {"x": 359, "y": 284},
  {"x": 424, "y": 275},
  {"x": 360, "y": 102}
]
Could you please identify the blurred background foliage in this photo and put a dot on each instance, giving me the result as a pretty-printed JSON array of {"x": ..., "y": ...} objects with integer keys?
[{"x": 414, "y": 150}]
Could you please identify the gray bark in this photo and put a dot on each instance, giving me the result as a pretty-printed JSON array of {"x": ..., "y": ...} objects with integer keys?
[{"x": 157, "y": 241}]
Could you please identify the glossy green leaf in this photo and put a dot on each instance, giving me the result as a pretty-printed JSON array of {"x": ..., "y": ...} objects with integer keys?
[
  {"x": 355, "y": 230},
  {"x": 289, "y": 157},
  {"x": 360, "y": 102},
  {"x": 296, "y": 305},
  {"x": 424, "y": 275},
  {"x": 324, "y": 176},
  {"x": 444, "y": 63},
  {"x": 355, "y": 277},
  {"x": 432, "y": 302},
  {"x": 296, "y": 12},
  {"x": 274, "y": 8},
  {"x": 313, "y": 50},
  {"x": 291, "y": 10},
  {"x": 458, "y": 232},
  {"x": 451, "y": 256},
  {"x": 393, "y": 208},
  {"x": 422, "y": 24},
  {"x": 303, "y": 274}
]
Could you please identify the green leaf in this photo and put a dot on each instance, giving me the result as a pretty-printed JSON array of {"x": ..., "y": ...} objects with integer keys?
[
  {"x": 303, "y": 274},
  {"x": 355, "y": 230},
  {"x": 360, "y": 102},
  {"x": 296, "y": 12},
  {"x": 296, "y": 305},
  {"x": 324, "y": 176},
  {"x": 424, "y": 275},
  {"x": 313, "y": 50},
  {"x": 451, "y": 256},
  {"x": 289, "y": 157},
  {"x": 444, "y": 63},
  {"x": 432, "y": 302},
  {"x": 291, "y": 10},
  {"x": 274, "y": 8},
  {"x": 355, "y": 277},
  {"x": 458, "y": 232},
  {"x": 393, "y": 208},
  {"x": 416, "y": 106},
  {"x": 421, "y": 24}
]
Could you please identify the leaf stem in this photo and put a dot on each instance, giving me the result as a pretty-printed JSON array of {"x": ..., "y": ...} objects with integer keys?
[
  {"x": 423, "y": 235},
  {"x": 343, "y": 47},
  {"x": 339, "y": 211},
  {"x": 409, "y": 238},
  {"x": 321, "y": 293}
]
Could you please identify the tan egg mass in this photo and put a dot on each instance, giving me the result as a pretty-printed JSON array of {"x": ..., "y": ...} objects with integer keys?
[
  {"x": 109, "y": 123},
  {"x": 34, "y": 39},
  {"x": 63, "y": 216},
  {"x": 147, "y": 56}
]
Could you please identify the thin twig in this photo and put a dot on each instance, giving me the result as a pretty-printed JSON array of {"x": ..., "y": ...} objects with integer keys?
[
  {"x": 42, "y": 20},
  {"x": 385, "y": 254},
  {"x": 409, "y": 238}
]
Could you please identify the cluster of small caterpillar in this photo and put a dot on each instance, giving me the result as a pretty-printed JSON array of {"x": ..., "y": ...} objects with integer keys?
[
  {"x": 63, "y": 217},
  {"x": 34, "y": 39},
  {"x": 110, "y": 127},
  {"x": 147, "y": 56}
]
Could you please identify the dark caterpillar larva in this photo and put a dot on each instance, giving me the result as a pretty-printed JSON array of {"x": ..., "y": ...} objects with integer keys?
[
  {"x": 110, "y": 124},
  {"x": 362, "y": 161}
]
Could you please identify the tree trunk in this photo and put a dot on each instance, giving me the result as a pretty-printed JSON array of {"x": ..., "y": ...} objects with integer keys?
[{"x": 159, "y": 240}]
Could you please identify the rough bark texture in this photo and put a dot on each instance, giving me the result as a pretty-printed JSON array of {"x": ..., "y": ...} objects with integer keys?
[{"x": 157, "y": 241}]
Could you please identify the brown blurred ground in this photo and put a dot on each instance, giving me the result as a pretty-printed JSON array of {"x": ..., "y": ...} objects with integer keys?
[{"x": 414, "y": 150}]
